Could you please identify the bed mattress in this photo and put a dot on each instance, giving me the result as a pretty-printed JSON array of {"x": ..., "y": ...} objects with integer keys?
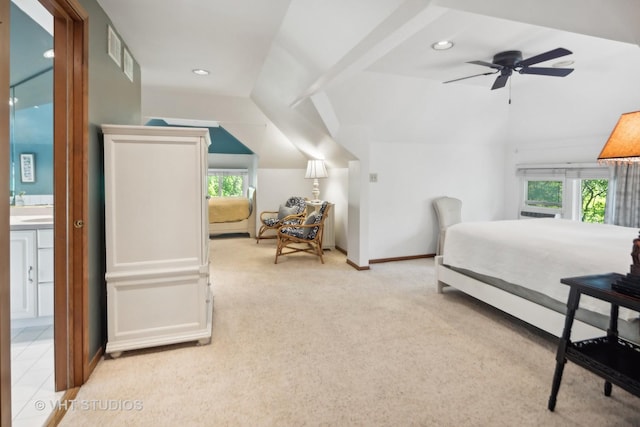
[{"x": 537, "y": 253}]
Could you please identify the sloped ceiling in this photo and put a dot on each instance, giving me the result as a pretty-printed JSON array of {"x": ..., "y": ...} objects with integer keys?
[{"x": 314, "y": 69}]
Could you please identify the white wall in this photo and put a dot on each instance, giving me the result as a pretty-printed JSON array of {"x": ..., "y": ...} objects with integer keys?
[
  {"x": 402, "y": 219},
  {"x": 275, "y": 186},
  {"x": 335, "y": 190}
]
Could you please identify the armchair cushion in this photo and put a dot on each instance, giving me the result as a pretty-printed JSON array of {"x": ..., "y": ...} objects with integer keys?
[{"x": 271, "y": 222}]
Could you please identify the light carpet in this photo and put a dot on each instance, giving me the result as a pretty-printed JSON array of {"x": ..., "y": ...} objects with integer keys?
[{"x": 302, "y": 343}]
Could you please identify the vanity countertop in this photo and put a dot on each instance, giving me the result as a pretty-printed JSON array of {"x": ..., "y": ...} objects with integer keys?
[{"x": 31, "y": 217}]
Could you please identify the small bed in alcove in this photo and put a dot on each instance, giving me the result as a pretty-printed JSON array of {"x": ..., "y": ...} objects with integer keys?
[{"x": 233, "y": 215}]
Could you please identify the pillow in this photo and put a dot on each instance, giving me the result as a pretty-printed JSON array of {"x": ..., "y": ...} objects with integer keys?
[
  {"x": 285, "y": 211},
  {"x": 311, "y": 219}
]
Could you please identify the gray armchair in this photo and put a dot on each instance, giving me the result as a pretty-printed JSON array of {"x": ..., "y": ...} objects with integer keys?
[{"x": 449, "y": 212}]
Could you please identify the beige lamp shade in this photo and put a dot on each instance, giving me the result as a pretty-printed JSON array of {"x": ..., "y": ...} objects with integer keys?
[
  {"x": 624, "y": 143},
  {"x": 316, "y": 169}
]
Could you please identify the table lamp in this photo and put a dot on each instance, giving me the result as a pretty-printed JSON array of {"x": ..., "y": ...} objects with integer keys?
[
  {"x": 316, "y": 169},
  {"x": 623, "y": 146}
]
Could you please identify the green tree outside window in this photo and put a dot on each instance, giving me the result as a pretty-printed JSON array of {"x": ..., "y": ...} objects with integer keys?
[
  {"x": 225, "y": 185},
  {"x": 594, "y": 197},
  {"x": 546, "y": 194}
]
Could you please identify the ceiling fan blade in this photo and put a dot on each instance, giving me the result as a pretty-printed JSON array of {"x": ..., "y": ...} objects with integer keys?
[
  {"x": 500, "y": 82},
  {"x": 546, "y": 56},
  {"x": 486, "y": 64},
  {"x": 558, "y": 72},
  {"x": 468, "y": 77}
]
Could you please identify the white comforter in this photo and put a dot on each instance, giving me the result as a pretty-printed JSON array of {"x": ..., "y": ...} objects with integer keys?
[{"x": 537, "y": 253}]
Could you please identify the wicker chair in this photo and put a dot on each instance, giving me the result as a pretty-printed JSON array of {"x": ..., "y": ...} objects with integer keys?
[
  {"x": 291, "y": 212},
  {"x": 305, "y": 237}
]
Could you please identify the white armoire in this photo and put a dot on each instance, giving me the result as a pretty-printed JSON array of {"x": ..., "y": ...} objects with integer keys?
[{"x": 157, "y": 254}]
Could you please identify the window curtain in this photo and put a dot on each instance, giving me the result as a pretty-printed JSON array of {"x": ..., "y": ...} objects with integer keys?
[
  {"x": 627, "y": 195},
  {"x": 228, "y": 172}
]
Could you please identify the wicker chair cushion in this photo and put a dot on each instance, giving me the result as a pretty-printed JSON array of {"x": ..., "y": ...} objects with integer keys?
[
  {"x": 293, "y": 231},
  {"x": 298, "y": 202},
  {"x": 271, "y": 222},
  {"x": 302, "y": 232}
]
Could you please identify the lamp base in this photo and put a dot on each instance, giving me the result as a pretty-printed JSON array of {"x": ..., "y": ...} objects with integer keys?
[
  {"x": 316, "y": 189},
  {"x": 628, "y": 285}
]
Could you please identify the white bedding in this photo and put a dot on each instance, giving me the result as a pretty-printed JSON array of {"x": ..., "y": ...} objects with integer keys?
[{"x": 537, "y": 253}]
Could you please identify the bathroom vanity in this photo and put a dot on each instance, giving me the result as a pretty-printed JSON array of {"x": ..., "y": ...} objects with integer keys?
[{"x": 32, "y": 263}]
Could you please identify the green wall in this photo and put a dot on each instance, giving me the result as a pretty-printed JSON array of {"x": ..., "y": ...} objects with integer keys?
[{"x": 113, "y": 99}]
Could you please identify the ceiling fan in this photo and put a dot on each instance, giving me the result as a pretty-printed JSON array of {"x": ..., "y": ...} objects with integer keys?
[{"x": 507, "y": 62}]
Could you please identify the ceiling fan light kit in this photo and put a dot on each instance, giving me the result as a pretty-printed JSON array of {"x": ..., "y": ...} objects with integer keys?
[{"x": 509, "y": 61}]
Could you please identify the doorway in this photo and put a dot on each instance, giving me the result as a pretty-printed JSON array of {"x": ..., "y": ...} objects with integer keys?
[
  {"x": 68, "y": 237},
  {"x": 31, "y": 199}
]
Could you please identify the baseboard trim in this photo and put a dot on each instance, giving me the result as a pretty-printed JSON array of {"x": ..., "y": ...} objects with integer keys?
[
  {"x": 402, "y": 258},
  {"x": 357, "y": 267},
  {"x": 381, "y": 260},
  {"x": 65, "y": 403},
  {"x": 93, "y": 363}
]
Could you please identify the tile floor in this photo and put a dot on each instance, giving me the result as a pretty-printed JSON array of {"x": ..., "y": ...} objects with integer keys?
[{"x": 32, "y": 389}]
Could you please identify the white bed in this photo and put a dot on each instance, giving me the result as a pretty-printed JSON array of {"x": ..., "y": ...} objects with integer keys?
[
  {"x": 231, "y": 215},
  {"x": 517, "y": 265}
]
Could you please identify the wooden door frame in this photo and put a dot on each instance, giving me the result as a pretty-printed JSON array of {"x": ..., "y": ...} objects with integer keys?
[
  {"x": 70, "y": 116},
  {"x": 70, "y": 198}
]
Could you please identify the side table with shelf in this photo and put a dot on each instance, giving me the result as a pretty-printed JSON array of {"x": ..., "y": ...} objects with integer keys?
[{"x": 614, "y": 359}]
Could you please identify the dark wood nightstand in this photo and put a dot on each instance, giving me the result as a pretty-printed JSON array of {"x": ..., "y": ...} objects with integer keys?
[{"x": 614, "y": 359}]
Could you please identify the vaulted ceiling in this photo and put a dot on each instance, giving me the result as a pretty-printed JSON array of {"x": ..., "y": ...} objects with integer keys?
[{"x": 310, "y": 72}]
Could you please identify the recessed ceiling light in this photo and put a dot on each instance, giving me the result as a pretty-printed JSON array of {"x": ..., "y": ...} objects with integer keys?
[
  {"x": 442, "y": 45},
  {"x": 561, "y": 64},
  {"x": 200, "y": 72},
  {"x": 48, "y": 54}
]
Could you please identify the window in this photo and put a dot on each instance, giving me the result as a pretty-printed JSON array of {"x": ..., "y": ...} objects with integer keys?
[
  {"x": 227, "y": 182},
  {"x": 577, "y": 192},
  {"x": 594, "y": 199},
  {"x": 546, "y": 194}
]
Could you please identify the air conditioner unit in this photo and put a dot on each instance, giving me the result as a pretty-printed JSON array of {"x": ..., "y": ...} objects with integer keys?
[{"x": 532, "y": 214}]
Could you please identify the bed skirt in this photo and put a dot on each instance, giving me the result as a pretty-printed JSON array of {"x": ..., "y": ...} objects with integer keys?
[{"x": 533, "y": 308}]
